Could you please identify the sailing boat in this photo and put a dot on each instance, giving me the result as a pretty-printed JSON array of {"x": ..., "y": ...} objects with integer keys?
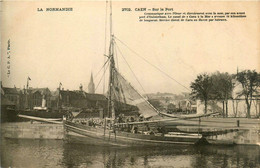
[
  {"x": 134, "y": 133},
  {"x": 127, "y": 134}
]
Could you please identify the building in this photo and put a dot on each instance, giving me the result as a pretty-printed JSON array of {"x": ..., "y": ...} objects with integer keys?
[
  {"x": 8, "y": 110},
  {"x": 37, "y": 97},
  {"x": 10, "y": 102},
  {"x": 12, "y": 95},
  {"x": 78, "y": 99}
]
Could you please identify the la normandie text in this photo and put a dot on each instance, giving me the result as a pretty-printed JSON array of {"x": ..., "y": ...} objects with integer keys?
[{"x": 54, "y": 9}]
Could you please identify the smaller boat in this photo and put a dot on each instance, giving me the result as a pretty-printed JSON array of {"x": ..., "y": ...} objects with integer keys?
[
  {"x": 48, "y": 120},
  {"x": 43, "y": 114}
]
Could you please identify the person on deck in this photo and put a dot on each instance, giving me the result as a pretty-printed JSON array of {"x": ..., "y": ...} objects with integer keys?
[
  {"x": 141, "y": 118},
  {"x": 135, "y": 129}
]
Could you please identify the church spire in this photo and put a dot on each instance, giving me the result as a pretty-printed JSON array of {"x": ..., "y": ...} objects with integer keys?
[
  {"x": 91, "y": 78},
  {"x": 91, "y": 85}
]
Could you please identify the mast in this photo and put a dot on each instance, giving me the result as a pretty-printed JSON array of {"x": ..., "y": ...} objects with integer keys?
[
  {"x": 26, "y": 93},
  {"x": 59, "y": 95},
  {"x": 111, "y": 109}
]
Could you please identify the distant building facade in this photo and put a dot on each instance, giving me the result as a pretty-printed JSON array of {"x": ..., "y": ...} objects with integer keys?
[
  {"x": 78, "y": 99},
  {"x": 37, "y": 97},
  {"x": 12, "y": 95}
]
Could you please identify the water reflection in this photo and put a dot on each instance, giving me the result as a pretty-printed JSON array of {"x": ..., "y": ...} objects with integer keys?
[
  {"x": 179, "y": 156},
  {"x": 35, "y": 153},
  {"x": 30, "y": 153}
]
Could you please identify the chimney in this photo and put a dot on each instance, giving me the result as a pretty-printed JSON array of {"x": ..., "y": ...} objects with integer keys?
[
  {"x": 81, "y": 87},
  {"x": 43, "y": 101}
]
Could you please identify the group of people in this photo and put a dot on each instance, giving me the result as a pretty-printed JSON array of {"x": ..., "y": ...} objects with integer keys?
[
  {"x": 133, "y": 128},
  {"x": 122, "y": 119}
]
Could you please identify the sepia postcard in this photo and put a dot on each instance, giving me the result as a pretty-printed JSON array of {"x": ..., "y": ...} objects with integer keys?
[{"x": 130, "y": 83}]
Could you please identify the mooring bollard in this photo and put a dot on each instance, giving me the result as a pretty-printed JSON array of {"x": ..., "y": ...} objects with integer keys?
[{"x": 237, "y": 123}]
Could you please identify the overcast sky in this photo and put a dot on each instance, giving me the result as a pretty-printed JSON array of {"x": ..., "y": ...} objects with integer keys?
[{"x": 54, "y": 47}]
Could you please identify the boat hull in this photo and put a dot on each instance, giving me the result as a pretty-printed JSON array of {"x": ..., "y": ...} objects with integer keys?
[
  {"x": 43, "y": 114},
  {"x": 78, "y": 133}
]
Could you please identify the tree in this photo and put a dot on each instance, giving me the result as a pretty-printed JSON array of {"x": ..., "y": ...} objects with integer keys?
[
  {"x": 250, "y": 81},
  {"x": 222, "y": 89},
  {"x": 201, "y": 88}
]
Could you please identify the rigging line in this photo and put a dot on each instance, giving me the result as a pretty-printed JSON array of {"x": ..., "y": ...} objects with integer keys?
[
  {"x": 101, "y": 77},
  {"x": 105, "y": 30},
  {"x": 111, "y": 26},
  {"x": 130, "y": 69},
  {"x": 116, "y": 58},
  {"x": 104, "y": 81},
  {"x": 102, "y": 68},
  {"x": 153, "y": 65}
]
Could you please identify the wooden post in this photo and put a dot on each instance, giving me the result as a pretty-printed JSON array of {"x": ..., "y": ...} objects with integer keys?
[
  {"x": 238, "y": 123},
  {"x": 199, "y": 126},
  {"x": 223, "y": 109},
  {"x": 109, "y": 130},
  {"x": 114, "y": 129},
  {"x": 226, "y": 108},
  {"x": 105, "y": 126}
]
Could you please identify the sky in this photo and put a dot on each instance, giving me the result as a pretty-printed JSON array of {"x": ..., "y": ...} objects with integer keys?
[{"x": 66, "y": 47}]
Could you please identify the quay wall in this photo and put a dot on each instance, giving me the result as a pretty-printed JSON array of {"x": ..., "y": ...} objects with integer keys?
[
  {"x": 36, "y": 130},
  {"x": 246, "y": 131}
]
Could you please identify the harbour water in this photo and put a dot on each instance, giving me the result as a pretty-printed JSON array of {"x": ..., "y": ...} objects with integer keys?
[{"x": 58, "y": 153}]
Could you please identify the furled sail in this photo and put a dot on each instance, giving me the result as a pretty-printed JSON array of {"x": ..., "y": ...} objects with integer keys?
[{"x": 124, "y": 92}]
